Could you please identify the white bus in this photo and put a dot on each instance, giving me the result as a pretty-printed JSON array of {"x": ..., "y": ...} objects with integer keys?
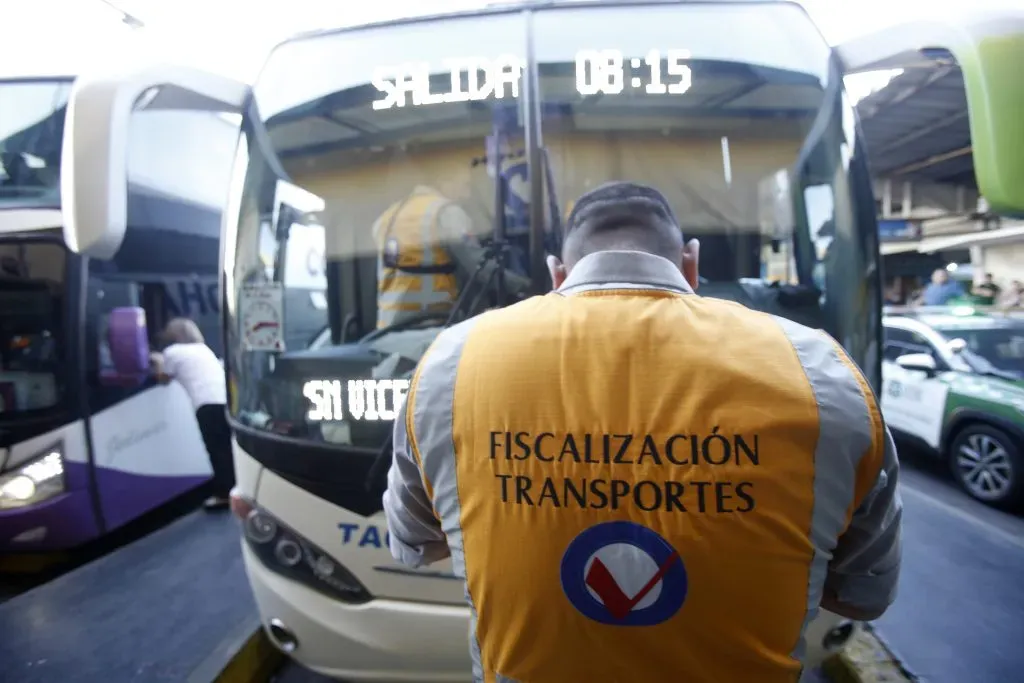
[
  {"x": 734, "y": 110},
  {"x": 87, "y": 442}
]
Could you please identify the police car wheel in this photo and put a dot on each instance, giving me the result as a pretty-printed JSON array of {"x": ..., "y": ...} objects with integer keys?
[{"x": 989, "y": 465}]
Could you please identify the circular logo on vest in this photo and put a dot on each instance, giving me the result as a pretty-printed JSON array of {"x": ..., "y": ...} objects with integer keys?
[
  {"x": 623, "y": 574},
  {"x": 895, "y": 389}
]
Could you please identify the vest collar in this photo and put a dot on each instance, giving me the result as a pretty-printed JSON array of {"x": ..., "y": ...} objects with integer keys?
[{"x": 624, "y": 270}]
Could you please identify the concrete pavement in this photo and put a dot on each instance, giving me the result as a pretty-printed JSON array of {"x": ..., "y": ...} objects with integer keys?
[{"x": 959, "y": 615}]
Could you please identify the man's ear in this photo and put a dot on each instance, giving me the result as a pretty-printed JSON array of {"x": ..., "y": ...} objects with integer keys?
[
  {"x": 557, "y": 271},
  {"x": 691, "y": 258}
]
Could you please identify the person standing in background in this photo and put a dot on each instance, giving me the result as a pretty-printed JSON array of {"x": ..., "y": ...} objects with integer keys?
[
  {"x": 941, "y": 290},
  {"x": 1013, "y": 297},
  {"x": 987, "y": 291},
  {"x": 185, "y": 357}
]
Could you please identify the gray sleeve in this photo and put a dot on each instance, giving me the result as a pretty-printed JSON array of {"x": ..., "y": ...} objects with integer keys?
[
  {"x": 456, "y": 229},
  {"x": 857, "y": 557},
  {"x": 416, "y": 537},
  {"x": 865, "y": 566}
]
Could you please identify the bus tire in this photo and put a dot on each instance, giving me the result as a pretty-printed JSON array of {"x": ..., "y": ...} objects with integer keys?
[{"x": 988, "y": 464}]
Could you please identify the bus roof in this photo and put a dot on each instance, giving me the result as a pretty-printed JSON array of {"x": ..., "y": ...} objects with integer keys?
[{"x": 498, "y": 8}]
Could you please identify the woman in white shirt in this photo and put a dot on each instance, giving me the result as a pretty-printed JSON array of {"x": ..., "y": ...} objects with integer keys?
[{"x": 186, "y": 358}]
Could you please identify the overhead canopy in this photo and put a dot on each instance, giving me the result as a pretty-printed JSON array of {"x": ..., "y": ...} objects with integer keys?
[
  {"x": 1010, "y": 234},
  {"x": 916, "y": 127},
  {"x": 1007, "y": 235}
]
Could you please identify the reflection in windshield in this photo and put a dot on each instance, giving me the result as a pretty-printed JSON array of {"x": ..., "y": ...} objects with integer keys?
[
  {"x": 31, "y": 132},
  {"x": 431, "y": 181},
  {"x": 745, "y": 135},
  {"x": 31, "y": 330},
  {"x": 1001, "y": 348}
]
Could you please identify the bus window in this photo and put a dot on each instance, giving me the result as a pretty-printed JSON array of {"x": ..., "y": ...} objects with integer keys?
[
  {"x": 31, "y": 132},
  {"x": 103, "y": 295},
  {"x": 407, "y": 151},
  {"x": 32, "y": 335}
]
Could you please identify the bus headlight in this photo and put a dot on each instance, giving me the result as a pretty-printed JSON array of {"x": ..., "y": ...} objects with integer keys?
[
  {"x": 37, "y": 480},
  {"x": 287, "y": 553}
]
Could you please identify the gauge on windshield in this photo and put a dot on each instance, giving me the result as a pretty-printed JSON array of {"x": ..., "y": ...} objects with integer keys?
[{"x": 262, "y": 325}]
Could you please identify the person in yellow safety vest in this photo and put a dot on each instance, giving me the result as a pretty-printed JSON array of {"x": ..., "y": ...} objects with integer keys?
[
  {"x": 427, "y": 250},
  {"x": 638, "y": 483}
]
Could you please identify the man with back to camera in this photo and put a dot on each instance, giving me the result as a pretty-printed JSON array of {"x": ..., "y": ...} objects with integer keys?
[{"x": 623, "y": 453}]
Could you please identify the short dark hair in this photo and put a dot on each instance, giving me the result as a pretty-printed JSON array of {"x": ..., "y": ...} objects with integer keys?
[{"x": 622, "y": 215}]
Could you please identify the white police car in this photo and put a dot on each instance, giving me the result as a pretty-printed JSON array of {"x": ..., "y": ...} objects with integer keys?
[{"x": 953, "y": 381}]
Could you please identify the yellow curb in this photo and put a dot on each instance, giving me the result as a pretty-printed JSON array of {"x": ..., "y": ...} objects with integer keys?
[
  {"x": 865, "y": 659},
  {"x": 255, "y": 662}
]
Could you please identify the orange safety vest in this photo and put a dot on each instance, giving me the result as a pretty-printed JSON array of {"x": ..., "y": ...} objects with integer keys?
[
  {"x": 415, "y": 273},
  {"x": 640, "y": 484}
]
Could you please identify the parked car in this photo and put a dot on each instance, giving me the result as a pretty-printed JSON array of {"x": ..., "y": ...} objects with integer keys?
[{"x": 953, "y": 380}]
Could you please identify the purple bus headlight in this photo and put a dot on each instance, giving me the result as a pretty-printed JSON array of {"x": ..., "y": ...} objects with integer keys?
[{"x": 37, "y": 480}]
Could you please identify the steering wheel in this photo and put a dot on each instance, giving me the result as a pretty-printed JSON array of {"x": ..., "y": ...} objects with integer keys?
[{"x": 411, "y": 322}]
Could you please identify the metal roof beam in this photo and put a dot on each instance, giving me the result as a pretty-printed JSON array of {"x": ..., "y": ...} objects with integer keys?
[
  {"x": 931, "y": 161},
  {"x": 926, "y": 131},
  {"x": 906, "y": 93}
]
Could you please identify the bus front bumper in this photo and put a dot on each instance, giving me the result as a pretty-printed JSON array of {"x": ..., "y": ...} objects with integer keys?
[
  {"x": 391, "y": 640},
  {"x": 59, "y": 523},
  {"x": 381, "y": 640}
]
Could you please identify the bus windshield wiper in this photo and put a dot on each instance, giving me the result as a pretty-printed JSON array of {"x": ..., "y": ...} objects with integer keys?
[{"x": 554, "y": 230}]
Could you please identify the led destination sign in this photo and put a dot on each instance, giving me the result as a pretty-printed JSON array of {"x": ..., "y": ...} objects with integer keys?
[
  {"x": 470, "y": 79},
  {"x": 365, "y": 399}
]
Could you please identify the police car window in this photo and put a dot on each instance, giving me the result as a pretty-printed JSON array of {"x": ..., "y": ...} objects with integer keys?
[
  {"x": 922, "y": 344},
  {"x": 1002, "y": 347},
  {"x": 896, "y": 343},
  {"x": 896, "y": 335},
  {"x": 899, "y": 342}
]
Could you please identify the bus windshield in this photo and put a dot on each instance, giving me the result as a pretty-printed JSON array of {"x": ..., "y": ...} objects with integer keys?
[
  {"x": 31, "y": 133},
  {"x": 428, "y": 139},
  {"x": 31, "y": 326}
]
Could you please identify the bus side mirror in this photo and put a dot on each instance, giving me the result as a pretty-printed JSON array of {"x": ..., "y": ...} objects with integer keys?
[
  {"x": 94, "y": 173},
  {"x": 129, "y": 349},
  {"x": 989, "y": 47}
]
